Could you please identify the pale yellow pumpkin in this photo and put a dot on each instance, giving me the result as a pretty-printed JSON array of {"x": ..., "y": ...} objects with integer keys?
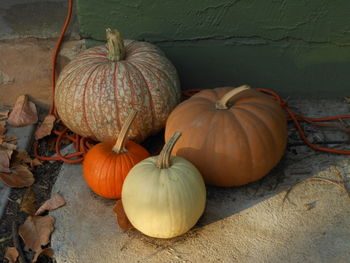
[{"x": 164, "y": 196}]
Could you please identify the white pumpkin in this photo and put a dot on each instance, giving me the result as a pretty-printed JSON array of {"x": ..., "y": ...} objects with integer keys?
[{"x": 164, "y": 196}]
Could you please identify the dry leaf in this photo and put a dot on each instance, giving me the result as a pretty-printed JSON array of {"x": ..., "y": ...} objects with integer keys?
[
  {"x": 347, "y": 99},
  {"x": 10, "y": 139},
  {"x": 4, "y": 114},
  {"x": 2, "y": 127},
  {"x": 28, "y": 202},
  {"x": 36, "y": 232},
  {"x": 22, "y": 157},
  {"x": 47, "y": 252},
  {"x": 35, "y": 162},
  {"x": 53, "y": 203},
  {"x": 20, "y": 177},
  {"x": 4, "y": 162},
  {"x": 24, "y": 113},
  {"x": 9, "y": 146},
  {"x": 122, "y": 219},
  {"x": 45, "y": 127},
  {"x": 11, "y": 254}
]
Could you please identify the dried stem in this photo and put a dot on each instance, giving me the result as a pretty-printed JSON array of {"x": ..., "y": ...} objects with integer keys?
[
  {"x": 119, "y": 146},
  {"x": 115, "y": 45},
  {"x": 222, "y": 103},
  {"x": 163, "y": 160}
]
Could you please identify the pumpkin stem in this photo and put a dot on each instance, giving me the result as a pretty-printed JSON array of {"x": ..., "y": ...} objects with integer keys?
[
  {"x": 163, "y": 160},
  {"x": 115, "y": 45},
  {"x": 119, "y": 146},
  {"x": 222, "y": 104}
]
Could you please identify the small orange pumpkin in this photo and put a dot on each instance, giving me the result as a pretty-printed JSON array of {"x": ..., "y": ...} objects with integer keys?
[
  {"x": 107, "y": 164},
  {"x": 233, "y": 136}
]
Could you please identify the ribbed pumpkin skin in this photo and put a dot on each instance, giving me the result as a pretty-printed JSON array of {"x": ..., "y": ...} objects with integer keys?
[
  {"x": 94, "y": 95},
  {"x": 104, "y": 170},
  {"x": 230, "y": 147}
]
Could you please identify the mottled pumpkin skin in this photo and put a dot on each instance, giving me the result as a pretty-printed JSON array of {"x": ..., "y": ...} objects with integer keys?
[
  {"x": 230, "y": 147},
  {"x": 94, "y": 95},
  {"x": 104, "y": 170}
]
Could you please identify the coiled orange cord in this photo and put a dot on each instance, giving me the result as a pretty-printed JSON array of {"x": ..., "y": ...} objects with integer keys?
[{"x": 82, "y": 145}]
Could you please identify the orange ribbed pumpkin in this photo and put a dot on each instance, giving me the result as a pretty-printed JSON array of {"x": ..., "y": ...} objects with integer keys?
[
  {"x": 97, "y": 89},
  {"x": 233, "y": 136},
  {"x": 107, "y": 164}
]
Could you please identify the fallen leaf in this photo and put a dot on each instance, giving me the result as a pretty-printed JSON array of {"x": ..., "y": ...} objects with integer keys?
[
  {"x": 47, "y": 252},
  {"x": 22, "y": 157},
  {"x": 2, "y": 127},
  {"x": 11, "y": 254},
  {"x": 45, "y": 127},
  {"x": 4, "y": 114},
  {"x": 122, "y": 219},
  {"x": 347, "y": 99},
  {"x": 53, "y": 203},
  {"x": 35, "y": 162},
  {"x": 4, "y": 162},
  {"x": 24, "y": 112},
  {"x": 20, "y": 177},
  {"x": 28, "y": 202},
  {"x": 9, "y": 146},
  {"x": 10, "y": 139},
  {"x": 35, "y": 233}
]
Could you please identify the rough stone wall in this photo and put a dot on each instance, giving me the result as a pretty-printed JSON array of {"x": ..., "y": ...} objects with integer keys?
[{"x": 295, "y": 47}]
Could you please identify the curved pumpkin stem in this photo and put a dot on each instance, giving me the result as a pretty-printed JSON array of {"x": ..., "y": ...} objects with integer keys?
[
  {"x": 163, "y": 160},
  {"x": 119, "y": 146},
  {"x": 222, "y": 103},
  {"x": 115, "y": 45}
]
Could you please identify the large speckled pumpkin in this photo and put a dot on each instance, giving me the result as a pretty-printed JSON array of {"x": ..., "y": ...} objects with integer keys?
[
  {"x": 96, "y": 91},
  {"x": 233, "y": 136}
]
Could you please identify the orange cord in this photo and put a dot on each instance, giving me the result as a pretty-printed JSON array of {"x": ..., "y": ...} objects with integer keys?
[{"x": 82, "y": 145}]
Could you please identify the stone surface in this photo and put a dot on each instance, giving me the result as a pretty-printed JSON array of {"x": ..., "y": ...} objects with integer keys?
[
  {"x": 31, "y": 72},
  {"x": 33, "y": 18},
  {"x": 253, "y": 223}
]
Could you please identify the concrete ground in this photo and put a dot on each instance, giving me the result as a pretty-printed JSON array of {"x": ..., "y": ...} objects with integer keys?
[{"x": 252, "y": 223}]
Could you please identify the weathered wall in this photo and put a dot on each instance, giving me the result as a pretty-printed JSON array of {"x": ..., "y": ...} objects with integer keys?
[{"x": 295, "y": 47}]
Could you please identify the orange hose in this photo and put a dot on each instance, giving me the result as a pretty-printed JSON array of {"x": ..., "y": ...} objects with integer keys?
[{"x": 82, "y": 145}]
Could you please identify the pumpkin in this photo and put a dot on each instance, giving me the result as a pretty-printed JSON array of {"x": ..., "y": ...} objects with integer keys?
[
  {"x": 107, "y": 164},
  {"x": 233, "y": 136},
  {"x": 164, "y": 196},
  {"x": 97, "y": 89}
]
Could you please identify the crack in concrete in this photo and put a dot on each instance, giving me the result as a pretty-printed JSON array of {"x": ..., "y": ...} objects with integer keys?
[{"x": 253, "y": 38}]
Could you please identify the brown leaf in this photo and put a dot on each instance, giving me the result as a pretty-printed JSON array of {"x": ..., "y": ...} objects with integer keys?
[
  {"x": 35, "y": 162},
  {"x": 36, "y": 232},
  {"x": 53, "y": 203},
  {"x": 2, "y": 127},
  {"x": 45, "y": 127},
  {"x": 24, "y": 113},
  {"x": 11, "y": 254},
  {"x": 4, "y": 162},
  {"x": 47, "y": 252},
  {"x": 9, "y": 146},
  {"x": 20, "y": 177},
  {"x": 22, "y": 157},
  {"x": 4, "y": 114},
  {"x": 122, "y": 219},
  {"x": 28, "y": 202},
  {"x": 10, "y": 139}
]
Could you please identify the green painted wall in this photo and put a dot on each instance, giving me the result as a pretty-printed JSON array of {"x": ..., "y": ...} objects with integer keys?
[{"x": 296, "y": 47}]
